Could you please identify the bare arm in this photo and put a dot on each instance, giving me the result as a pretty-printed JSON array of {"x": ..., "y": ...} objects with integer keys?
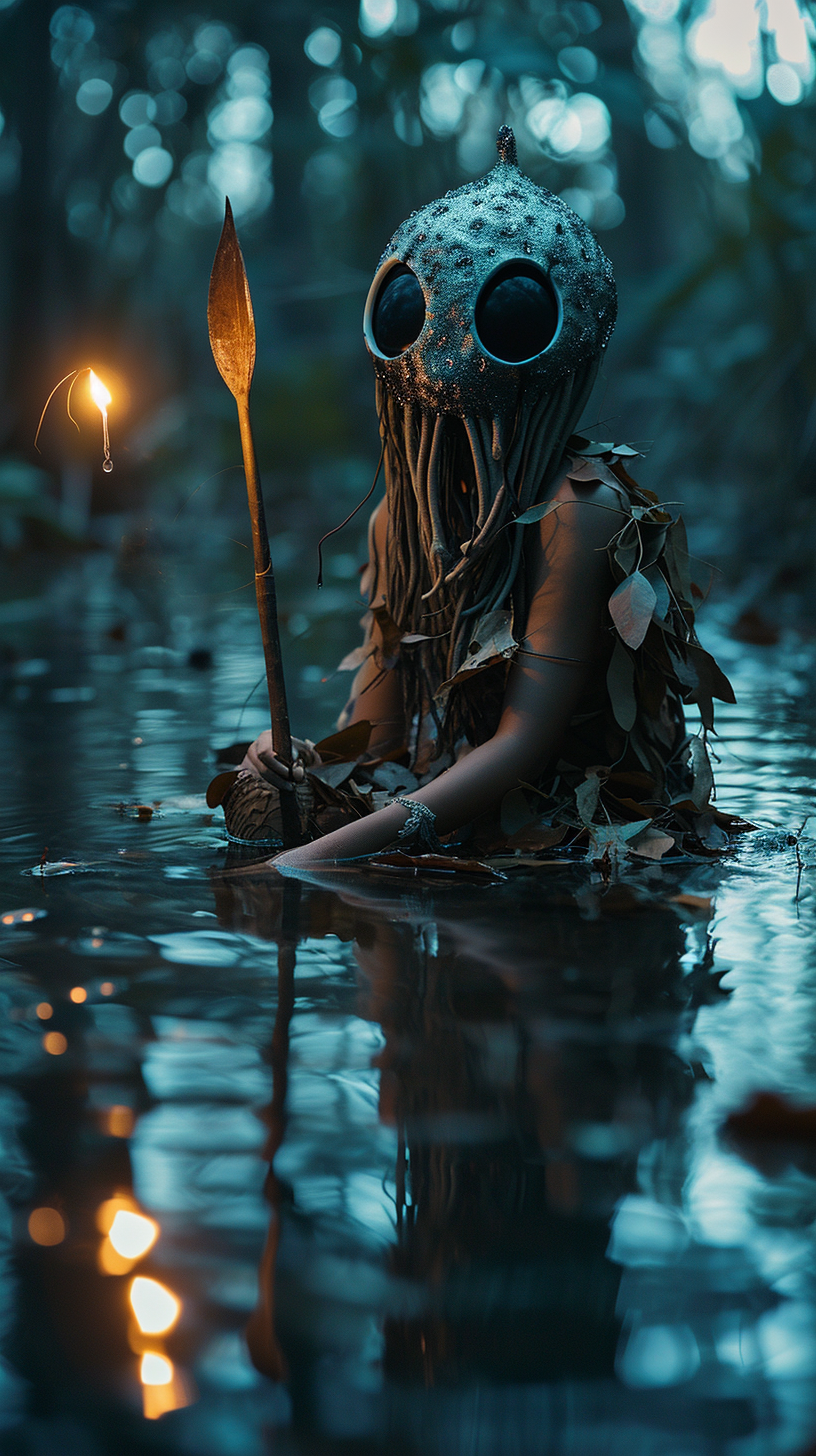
[{"x": 570, "y": 588}]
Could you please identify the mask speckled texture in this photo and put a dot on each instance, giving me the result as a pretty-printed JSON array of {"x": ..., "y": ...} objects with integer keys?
[{"x": 453, "y": 246}]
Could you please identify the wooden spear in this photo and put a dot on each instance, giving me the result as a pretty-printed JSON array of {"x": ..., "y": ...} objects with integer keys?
[{"x": 232, "y": 340}]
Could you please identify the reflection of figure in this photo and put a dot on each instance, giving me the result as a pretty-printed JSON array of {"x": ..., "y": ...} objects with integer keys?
[
  {"x": 491, "y": 659},
  {"x": 504, "y": 1219},
  {"x": 528, "y": 1060}
]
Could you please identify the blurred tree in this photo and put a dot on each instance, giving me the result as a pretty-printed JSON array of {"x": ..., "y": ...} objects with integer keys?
[{"x": 683, "y": 129}]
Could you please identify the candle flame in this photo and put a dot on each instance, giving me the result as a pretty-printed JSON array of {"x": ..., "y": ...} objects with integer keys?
[{"x": 99, "y": 394}]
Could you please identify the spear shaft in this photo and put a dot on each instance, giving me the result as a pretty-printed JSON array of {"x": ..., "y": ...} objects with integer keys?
[{"x": 232, "y": 338}]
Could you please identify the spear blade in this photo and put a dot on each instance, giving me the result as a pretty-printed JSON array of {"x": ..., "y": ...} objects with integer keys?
[{"x": 230, "y": 318}]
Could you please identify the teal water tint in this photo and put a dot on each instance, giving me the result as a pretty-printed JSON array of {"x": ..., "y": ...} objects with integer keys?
[{"x": 436, "y": 1167}]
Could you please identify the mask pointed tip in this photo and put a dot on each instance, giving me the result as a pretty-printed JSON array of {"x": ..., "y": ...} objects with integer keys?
[{"x": 506, "y": 146}]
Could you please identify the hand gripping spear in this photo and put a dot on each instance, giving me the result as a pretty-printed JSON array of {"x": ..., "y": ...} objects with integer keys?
[{"x": 232, "y": 340}]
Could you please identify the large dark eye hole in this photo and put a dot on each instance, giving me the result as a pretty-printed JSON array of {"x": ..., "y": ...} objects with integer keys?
[
  {"x": 516, "y": 313},
  {"x": 399, "y": 312}
]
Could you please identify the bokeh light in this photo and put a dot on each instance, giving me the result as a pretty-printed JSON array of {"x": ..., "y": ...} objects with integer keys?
[
  {"x": 55, "y": 1043},
  {"x": 46, "y": 1226},
  {"x": 155, "y": 1369},
  {"x": 132, "y": 1234},
  {"x": 155, "y": 1307}
]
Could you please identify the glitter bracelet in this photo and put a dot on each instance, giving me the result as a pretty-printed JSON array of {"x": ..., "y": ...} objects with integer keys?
[{"x": 420, "y": 825}]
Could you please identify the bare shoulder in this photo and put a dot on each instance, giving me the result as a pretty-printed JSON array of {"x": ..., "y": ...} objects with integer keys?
[
  {"x": 587, "y": 514},
  {"x": 372, "y": 582}
]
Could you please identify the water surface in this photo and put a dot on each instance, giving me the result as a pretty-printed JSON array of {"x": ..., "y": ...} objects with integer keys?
[{"x": 434, "y": 1167}]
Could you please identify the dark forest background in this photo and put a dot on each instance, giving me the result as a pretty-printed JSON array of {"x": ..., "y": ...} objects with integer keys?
[{"x": 684, "y": 132}]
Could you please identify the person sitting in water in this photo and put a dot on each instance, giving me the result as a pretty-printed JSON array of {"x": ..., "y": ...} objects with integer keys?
[{"x": 531, "y": 612}]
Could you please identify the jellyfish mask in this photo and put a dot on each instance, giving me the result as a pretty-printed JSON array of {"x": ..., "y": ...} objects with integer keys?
[{"x": 486, "y": 321}]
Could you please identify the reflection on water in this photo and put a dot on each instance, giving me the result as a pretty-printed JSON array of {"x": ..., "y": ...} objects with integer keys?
[{"x": 355, "y": 1167}]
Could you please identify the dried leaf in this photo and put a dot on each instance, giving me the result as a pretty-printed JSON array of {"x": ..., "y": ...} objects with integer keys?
[
  {"x": 620, "y": 684},
  {"x": 356, "y": 658},
  {"x": 709, "y": 832},
  {"x": 537, "y": 512},
  {"x": 346, "y": 745},
  {"x": 683, "y": 670},
  {"x": 703, "y": 776},
  {"x": 631, "y": 606},
  {"x": 592, "y": 448},
  {"x": 394, "y": 778},
  {"x": 711, "y": 678},
  {"x": 678, "y": 559},
  {"x": 657, "y": 582},
  {"x": 533, "y": 837},
  {"x": 625, "y": 450},
  {"x": 584, "y": 471},
  {"x": 396, "y": 862},
  {"x": 652, "y": 844},
  {"x": 492, "y": 640},
  {"x": 219, "y": 787},
  {"x": 408, "y": 638},
  {"x": 333, "y": 774},
  {"x": 390, "y": 637},
  {"x": 229, "y": 313},
  {"x": 612, "y": 840},
  {"x": 586, "y": 797}
]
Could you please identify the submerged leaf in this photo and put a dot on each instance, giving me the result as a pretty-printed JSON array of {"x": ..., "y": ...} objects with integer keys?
[
  {"x": 229, "y": 313},
  {"x": 631, "y": 606},
  {"x": 396, "y": 862}
]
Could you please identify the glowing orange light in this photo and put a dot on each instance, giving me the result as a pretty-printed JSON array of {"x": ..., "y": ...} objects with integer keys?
[
  {"x": 107, "y": 988},
  {"x": 156, "y": 1308},
  {"x": 155, "y": 1369},
  {"x": 28, "y": 915},
  {"x": 120, "y": 1121},
  {"x": 55, "y": 1043},
  {"x": 99, "y": 394},
  {"x": 164, "y": 1387},
  {"x": 46, "y": 1226},
  {"x": 8, "y": 919},
  {"x": 132, "y": 1234},
  {"x": 107, "y": 1211},
  {"x": 102, "y": 398},
  {"x": 78, "y": 994},
  {"x": 45, "y": 1010}
]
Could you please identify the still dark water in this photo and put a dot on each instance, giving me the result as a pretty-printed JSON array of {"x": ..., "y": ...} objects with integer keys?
[{"x": 431, "y": 1168}]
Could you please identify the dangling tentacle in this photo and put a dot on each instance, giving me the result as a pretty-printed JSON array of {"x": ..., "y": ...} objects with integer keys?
[
  {"x": 438, "y": 537},
  {"x": 479, "y": 466}
]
